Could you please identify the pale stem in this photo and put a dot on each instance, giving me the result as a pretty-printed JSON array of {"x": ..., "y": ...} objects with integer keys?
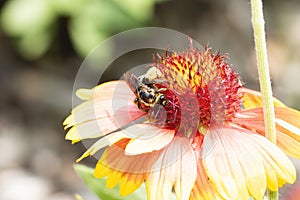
[{"x": 264, "y": 74}]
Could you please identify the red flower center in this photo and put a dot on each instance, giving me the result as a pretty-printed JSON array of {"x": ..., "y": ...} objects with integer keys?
[{"x": 201, "y": 88}]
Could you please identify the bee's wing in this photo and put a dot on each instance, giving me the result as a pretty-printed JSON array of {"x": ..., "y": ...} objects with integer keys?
[{"x": 132, "y": 81}]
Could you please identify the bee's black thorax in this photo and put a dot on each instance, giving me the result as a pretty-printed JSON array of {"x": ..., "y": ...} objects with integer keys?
[{"x": 147, "y": 93}]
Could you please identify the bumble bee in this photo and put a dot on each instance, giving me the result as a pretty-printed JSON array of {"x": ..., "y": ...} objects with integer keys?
[{"x": 147, "y": 94}]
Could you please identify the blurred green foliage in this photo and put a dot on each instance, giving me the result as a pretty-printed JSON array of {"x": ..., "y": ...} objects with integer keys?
[
  {"x": 98, "y": 186},
  {"x": 33, "y": 23}
]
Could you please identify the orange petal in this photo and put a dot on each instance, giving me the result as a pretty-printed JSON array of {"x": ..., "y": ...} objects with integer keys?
[
  {"x": 287, "y": 125},
  {"x": 102, "y": 170},
  {"x": 129, "y": 182},
  {"x": 103, "y": 142},
  {"x": 252, "y": 119},
  {"x": 129, "y": 171},
  {"x": 253, "y": 99},
  {"x": 289, "y": 145},
  {"x": 114, "y": 157},
  {"x": 203, "y": 189},
  {"x": 176, "y": 167},
  {"x": 113, "y": 178},
  {"x": 262, "y": 163},
  {"x": 288, "y": 121}
]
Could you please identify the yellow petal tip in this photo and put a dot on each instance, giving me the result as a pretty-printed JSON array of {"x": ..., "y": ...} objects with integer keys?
[
  {"x": 84, "y": 94},
  {"x": 86, "y": 154}
]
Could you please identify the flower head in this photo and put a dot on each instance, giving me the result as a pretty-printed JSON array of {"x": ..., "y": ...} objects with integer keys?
[
  {"x": 188, "y": 124},
  {"x": 206, "y": 85}
]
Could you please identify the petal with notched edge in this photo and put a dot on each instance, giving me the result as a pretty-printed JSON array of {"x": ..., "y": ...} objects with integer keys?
[
  {"x": 129, "y": 171},
  {"x": 176, "y": 167},
  {"x": 250, "y": 164},
  {"x": 129, "y": 182},
  {"x": 114, "y": 157},
  {"x": 254, "y": 164},
  {"x": 222, "y": 164},
  {"x": 278, "y": 161}
]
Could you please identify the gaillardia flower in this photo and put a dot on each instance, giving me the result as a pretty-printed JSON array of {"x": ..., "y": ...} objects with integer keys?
[{"x": 189, "y": 126}]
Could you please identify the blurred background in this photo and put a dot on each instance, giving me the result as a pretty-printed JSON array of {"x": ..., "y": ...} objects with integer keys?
[{"x": 43, "y": 43}]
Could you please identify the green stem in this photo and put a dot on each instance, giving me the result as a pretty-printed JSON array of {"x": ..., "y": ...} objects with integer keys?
[{"x": 264, "y": 74}]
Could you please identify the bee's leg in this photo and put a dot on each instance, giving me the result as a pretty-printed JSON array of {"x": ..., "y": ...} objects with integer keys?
[
  {"x": 156, "y": 115},
  {"x": 153, "y": 112},
  {"x": 161, "y": 99},
  {"x": 138, "y": 103}
]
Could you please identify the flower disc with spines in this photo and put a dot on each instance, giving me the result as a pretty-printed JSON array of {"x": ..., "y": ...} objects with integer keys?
[{"x": 202, "y": 84}]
